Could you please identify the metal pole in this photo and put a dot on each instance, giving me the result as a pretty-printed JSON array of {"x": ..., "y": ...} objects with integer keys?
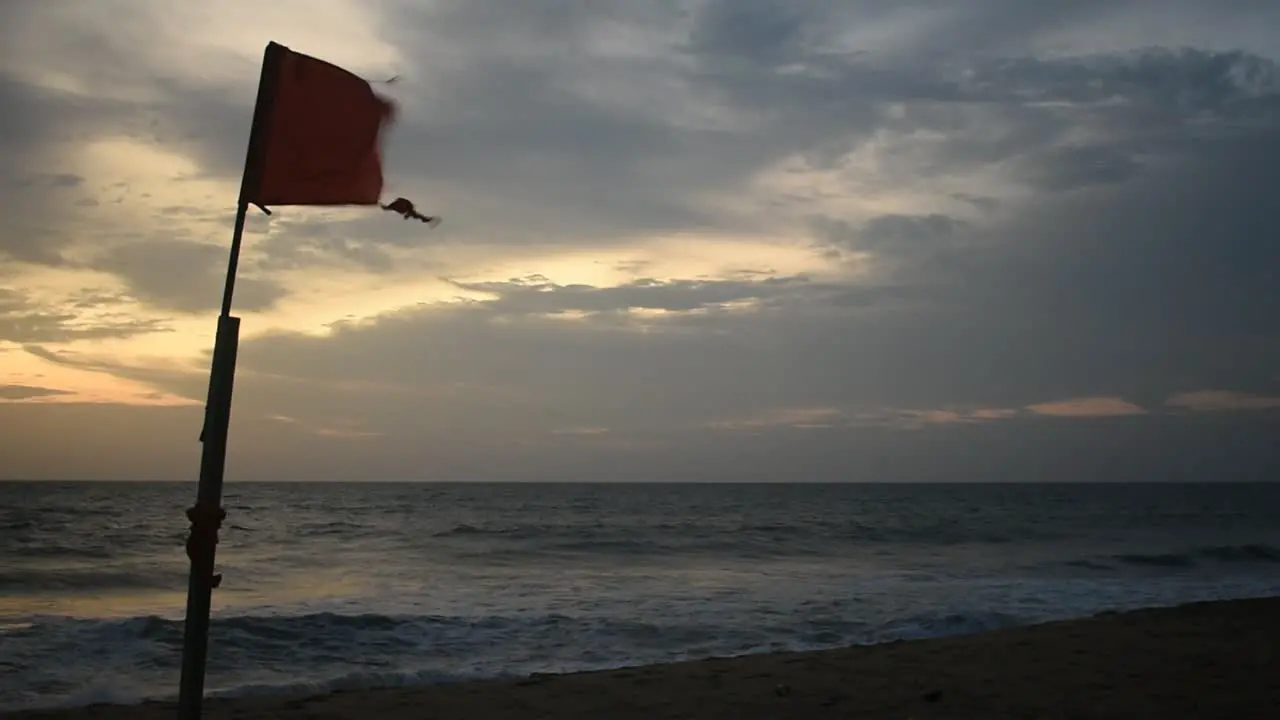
[
  {"x": 206, "y": 518},
  {"x": 207, "y": 515}
]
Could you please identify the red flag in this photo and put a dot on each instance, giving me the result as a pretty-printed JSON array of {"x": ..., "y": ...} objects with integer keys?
[{"x": 319, "y": 142}]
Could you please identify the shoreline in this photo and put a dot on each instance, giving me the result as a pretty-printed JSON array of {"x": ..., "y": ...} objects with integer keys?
[{"x": 1209, "y": 659}]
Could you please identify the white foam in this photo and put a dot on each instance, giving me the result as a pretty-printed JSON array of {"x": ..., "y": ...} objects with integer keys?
[{"x": 71, "y": 663}]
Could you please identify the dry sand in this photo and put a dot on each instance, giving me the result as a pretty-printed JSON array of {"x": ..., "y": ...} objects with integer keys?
[{"x": 1208, "y": 660}]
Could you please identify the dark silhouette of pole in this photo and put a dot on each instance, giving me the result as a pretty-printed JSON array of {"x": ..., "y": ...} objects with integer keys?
[{"x": 207, "y": 514}]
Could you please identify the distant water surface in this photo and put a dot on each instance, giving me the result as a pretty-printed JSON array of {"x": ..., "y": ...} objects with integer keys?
[{"x": 356, "y": 585}]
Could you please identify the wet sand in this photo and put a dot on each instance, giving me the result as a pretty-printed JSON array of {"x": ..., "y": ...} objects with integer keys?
[{"x": 1207, "y": 660}]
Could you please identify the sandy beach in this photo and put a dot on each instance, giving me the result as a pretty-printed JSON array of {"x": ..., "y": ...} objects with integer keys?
[{"x": 1205, "y": 660}]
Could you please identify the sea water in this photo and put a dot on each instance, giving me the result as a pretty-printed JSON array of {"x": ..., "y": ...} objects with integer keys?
[{"x": 356, "y": 585}]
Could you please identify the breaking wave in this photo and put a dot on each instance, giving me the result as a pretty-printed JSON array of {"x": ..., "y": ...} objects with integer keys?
[
  {"x": 322, "y": 652},
  {"x": 1210, "y": 554}
]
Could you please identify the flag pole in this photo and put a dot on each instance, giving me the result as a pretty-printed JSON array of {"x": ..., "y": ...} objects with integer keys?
[{"x": 207, "y": 514}]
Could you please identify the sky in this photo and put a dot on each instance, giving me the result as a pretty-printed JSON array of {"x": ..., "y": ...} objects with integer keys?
[{"x": 837, "y": 240}]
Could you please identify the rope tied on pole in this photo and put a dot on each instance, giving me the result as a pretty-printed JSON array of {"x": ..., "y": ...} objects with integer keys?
[{"x": 206, "y": 521}]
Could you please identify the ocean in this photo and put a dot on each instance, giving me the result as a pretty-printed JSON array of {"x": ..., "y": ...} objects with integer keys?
[{"x": 344, "y": 586}]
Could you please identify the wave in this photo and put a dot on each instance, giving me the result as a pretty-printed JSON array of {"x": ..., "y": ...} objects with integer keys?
[
  {"x": 1206, "y": 555},
  {"x": 348, "y": 682},
  {"x": 1253, "y": 552},
  {"x": 322, "y": 652},
  {"x": 335, "y": 527},
  {"x": 27, "y": 580},
  {"x": 1163, "y": 560},
  {"x": 113, "y": 692},
  {"x": 1215, "y": 554},
  {"x": 948, "y": 624},
  {"x": 47, "y": 549},
  {"x": 59, "y": 661},
  {"x": 746, "y": 537},
  {"x": 523, "y": 531}
]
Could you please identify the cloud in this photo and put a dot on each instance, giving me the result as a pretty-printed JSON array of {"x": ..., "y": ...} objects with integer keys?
[
  {"x": 947, "y": 215},
  {"x": 895, "y": 234},
  {"x": 826, "y": 418},
  {"x": 316, "y": 245},
  {"x": 26, "y": 392},
  {"x": 1087, "y": 407},
  {"x": 796, "y": 418},
  {"x": 52, "y": 180},
  {"x": 174, "y": 381},
  {"x": 186, "y": 277},
  {"x": 538, "y": 295},
  {"x": 1071, "y": 168},
  {"x": 993, "y": 413},
  {"x": 1221, "y": 400},
  {"x": 338, "y": 430},
  {"x": 582, "y": 431},
  {"x": 23, "y": 320}
]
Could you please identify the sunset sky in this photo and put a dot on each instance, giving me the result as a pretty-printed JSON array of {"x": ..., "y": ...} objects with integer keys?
[{"x": 683, "y": 240}]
